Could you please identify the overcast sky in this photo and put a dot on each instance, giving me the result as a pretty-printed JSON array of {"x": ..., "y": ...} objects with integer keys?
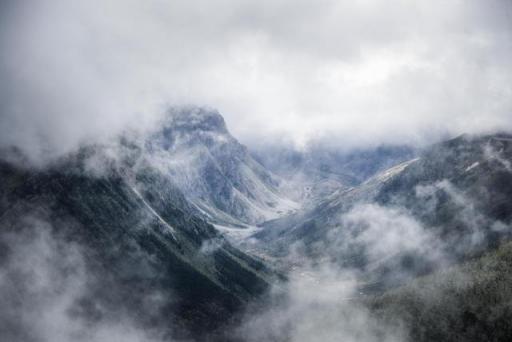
[{"x": 361, "y": 71}]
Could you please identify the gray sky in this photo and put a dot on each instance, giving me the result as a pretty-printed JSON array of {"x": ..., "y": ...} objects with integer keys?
[{"x": 360, "y": 72}]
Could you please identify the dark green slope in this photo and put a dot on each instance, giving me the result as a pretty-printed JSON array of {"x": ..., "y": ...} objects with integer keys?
[
  {"x": 139, "y": 236},
  {"x": 470, "y": 302}
]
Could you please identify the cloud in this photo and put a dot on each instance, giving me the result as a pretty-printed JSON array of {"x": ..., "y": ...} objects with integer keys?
[
  {"x": 327, "y": 300},
  {"x": 46, "y": 291},
  {"x": 383, "y": 232},
  {"x": 317, "y": 304},
  {"x": 362, "y": 72},
  {"x": 491, "y": 153},
  {"x": 331, "y": 300}
]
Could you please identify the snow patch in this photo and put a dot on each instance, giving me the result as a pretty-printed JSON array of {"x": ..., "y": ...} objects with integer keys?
[
  {"x": 237, "y": 235},
  {"x": 153, "y": 211},
  {"x": 384, "y": 176},
  {"x": 472, "y": 166}
]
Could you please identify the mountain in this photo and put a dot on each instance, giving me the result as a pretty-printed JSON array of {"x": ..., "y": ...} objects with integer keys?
[
  {"x": 450, "y": 204},
  {"x": 465, "y": 173},
  {"x": 314, "y": 224},
  {"x": 148, "y": 213},
  {"x": 140, "y": 235},
  {"x": 215, "y": 172},
  {"x": 319, "y": 169},
  {"x": 472, "y": 302}
]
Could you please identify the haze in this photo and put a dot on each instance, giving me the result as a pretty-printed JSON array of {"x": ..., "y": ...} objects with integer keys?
[{"x": 358, "y": 73}]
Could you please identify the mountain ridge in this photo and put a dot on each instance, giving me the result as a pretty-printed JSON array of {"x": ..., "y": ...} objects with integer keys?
[
  {"x": 139, "y": 231},
  {"x": 215, "y": 171}
]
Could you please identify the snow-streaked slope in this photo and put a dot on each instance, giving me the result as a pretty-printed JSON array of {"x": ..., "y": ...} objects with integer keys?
[
  {"x": 458, "y": 191},
  {"x": 214, "y": 171},
  {"x": 141, "y": 231},
  {"x": 319, "y": 169},
  {"x": 286, "y": 231}
]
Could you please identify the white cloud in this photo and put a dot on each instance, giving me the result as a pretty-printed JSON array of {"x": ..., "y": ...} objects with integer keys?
[
  {"x": 318, "y": 304},
  {"x": 384, "y": 232},
  {"x": 367, "y": 71}
]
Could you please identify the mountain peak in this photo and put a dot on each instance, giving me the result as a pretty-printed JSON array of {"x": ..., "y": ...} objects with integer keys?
[{"x": 197, "y": 119}]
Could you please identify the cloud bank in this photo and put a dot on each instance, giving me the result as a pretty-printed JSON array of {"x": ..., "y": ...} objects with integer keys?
[{"x": 363, "y": 72}]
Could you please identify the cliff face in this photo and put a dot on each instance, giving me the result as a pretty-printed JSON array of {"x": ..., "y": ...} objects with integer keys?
[{"x": 214, "y": 171}]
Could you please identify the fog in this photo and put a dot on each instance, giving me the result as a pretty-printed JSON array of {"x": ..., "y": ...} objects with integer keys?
[
  {"x": 320, "y": 303},
  {"x": 329, "y": 298},
  {"x": 46, "y": 291},
  {"x": 358, "y": 73}
]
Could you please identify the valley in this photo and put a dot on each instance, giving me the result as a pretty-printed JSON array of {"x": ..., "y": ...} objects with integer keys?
[{"x": 188, "y": 214}]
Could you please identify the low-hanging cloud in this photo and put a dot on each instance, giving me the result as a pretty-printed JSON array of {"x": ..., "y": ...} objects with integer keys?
[
  {"x": 318, "y": 304},
  {"x": 368, "y": 72},
  {"x": 45, "y": 286},
  {"x": 383, "y": 232},
  {"x": 328, "y": 300}
]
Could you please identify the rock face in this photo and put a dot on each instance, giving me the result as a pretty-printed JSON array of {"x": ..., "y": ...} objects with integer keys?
[
  {"x": 215, "y": 171},
  {"x": 139, "y": 234}
]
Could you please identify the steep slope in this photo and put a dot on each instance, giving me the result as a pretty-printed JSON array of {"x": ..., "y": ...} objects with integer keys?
[
  {"x": 470, "y": 302},
  {"x": 320, "y": 169},
  {"x": 452, "y": 203},
  {"x": 140, "y": 235},
  {"x": 313, "y": 225},
  {"x": 214, "y": 171},
  {"x": 462, "y": 187}
]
